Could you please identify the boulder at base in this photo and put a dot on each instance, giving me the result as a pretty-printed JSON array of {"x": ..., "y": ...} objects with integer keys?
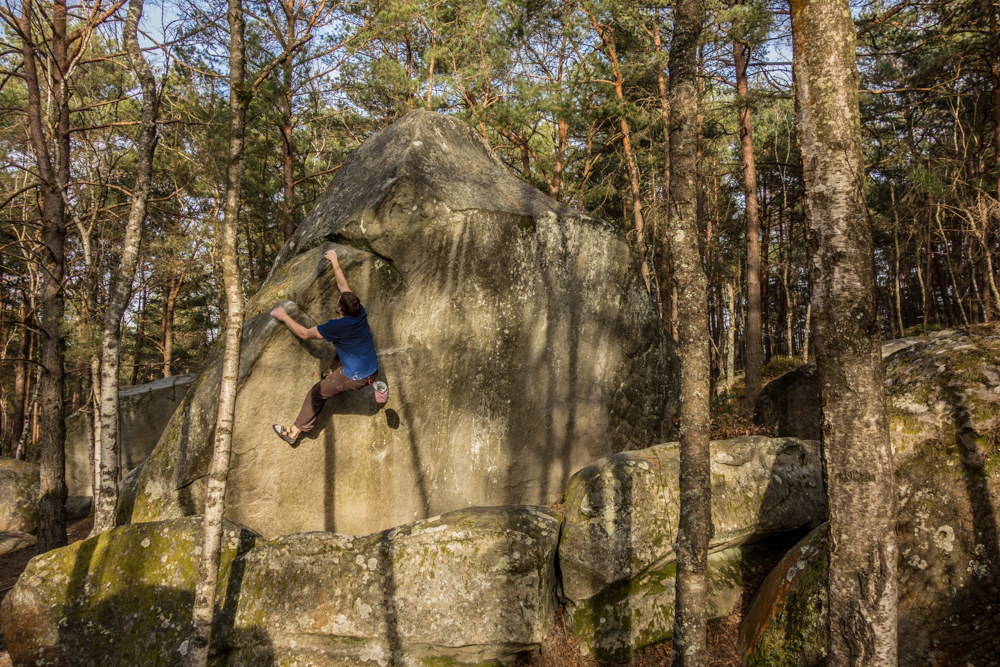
[
  {"x": 19, "y": 488},
  {"x": 515, "y": 334},
  {"x": 616, "y": 554},
  {"x": 471, "y": 587},
  {"x": 120, "y": 599},
  {"x": 943, "y": 396}
]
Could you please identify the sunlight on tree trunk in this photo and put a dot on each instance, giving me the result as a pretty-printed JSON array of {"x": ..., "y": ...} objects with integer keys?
[
  {"x": 695, "y": 522},
  {"x": 857, "y": 456}
]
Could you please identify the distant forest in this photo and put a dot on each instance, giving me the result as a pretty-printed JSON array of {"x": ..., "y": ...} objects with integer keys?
[{"x": 571, "y": 95}]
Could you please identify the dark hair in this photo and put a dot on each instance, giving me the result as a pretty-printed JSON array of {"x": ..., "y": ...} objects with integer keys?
[{"x": 349, "y": 304}]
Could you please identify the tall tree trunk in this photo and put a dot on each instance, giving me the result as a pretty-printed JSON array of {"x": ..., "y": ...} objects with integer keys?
[
  {"x": 695, "y": 524},
  {"x": 239, "y": 99},
  {"x": 170, "y": 295},
  {"x": 106, "y": 501},
  {"x": 857, "y": 456},
  {"x": 754, "y": 333},
  {"x": 139, "y": 338},
  {"x": 54, "y": 175}
]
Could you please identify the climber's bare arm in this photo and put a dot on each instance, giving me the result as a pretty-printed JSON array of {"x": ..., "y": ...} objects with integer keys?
[
  {"x": 297, "y": 329},
  {"x": 341, "y": 280}
]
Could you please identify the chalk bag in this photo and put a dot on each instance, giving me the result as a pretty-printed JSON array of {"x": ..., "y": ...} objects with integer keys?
[{"x": 381, "y": 392}]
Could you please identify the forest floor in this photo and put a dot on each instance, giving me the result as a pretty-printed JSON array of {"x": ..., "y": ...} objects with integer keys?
[{"x": 731, "y": 419}]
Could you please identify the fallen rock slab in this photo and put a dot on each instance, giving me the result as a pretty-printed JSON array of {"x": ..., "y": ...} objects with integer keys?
[
  {"x": 19, "y": 488},
  {"x": 470, "y": 587}
]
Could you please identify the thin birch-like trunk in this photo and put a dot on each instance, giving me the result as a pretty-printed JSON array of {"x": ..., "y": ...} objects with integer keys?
[
  {"x": 857, "y": 456},
  {"x": 695, "y": 522},
  {"x": 107, "y": 469},
  {"x": 239, "y": 99}
]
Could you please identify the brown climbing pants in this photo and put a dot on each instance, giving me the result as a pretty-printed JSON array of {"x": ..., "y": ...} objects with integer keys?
[{"x": 333, "y": 384}]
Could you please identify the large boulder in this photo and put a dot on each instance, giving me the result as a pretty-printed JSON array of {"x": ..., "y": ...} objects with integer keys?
[
  {"x": 943, "y": 396},
  {"x": 143, "y": 413},
  {"x": 122, "y": 598},
  {"x": 515, "y": 334},
  {"x": 470, "y": 587},
  {"x": 616, "y": 552},
  {"x": 19, "y": 488}
]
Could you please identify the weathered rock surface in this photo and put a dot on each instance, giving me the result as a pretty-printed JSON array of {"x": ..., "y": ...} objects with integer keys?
[
  {"x": 786, "y": 624},
  {"x": 515, "y": 335},
  {"x": 470, "y": 587},
  {"x": 928, "y": 379},
  {"x": 122, "y": 598},
  {"x": 943, "y": 395},
  {"x": 19, "y": 488},
  {"x": 12, "y": 540},
  {"x": 621, "y": 512},
  {"x": 144, "y": 411},
  {"x": 628, "y": 616}
]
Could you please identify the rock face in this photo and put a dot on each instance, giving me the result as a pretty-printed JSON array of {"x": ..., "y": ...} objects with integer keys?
[
  {"x": 943, "y": 395},
  {"x": 18, "y": 496},
  {"x": 616, "y": 554},
  {"x": 469, "y": 587},
  {"x": 515, "y": 335},
  {"x": 144, "y": 412},
  {"x": 122, "y": 598},
  {"x": 786, "y": 624}
]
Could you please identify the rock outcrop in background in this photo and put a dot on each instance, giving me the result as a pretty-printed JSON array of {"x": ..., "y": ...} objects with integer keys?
[
  {"x": 143, "y": 413},
  {"x": 943, "y": 398},
  {"x": 516, "y": 337},
  {"x": 19, "y": 488}
]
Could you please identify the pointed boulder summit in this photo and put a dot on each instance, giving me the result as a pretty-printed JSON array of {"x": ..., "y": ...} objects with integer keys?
[{"x": 515, "y": 335}]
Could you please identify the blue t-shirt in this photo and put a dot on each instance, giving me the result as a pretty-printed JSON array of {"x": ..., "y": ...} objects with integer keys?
[{"x": 353, "y": 338}]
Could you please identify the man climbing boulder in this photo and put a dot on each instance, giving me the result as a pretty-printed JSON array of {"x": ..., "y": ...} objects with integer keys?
[{"x": 356, "y": 364}]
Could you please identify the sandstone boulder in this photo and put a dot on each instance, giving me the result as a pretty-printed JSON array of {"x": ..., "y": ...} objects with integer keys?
[
  {"x": 13, "y": 540},
  {"x": 616, "y": 555},
  {"x": 515, "y": 335},
  {"x": 470, "y": 587},
  {"x": 932, "y": 382},
  {"x": 122, "y": 598},
  {"x": 143, "y": 413},
  {"x": 621, "y": 512},
  {"x": 19, "y": 488},
  {"x": 786, "y": 624},
  {"x": 948, "y": 484}
]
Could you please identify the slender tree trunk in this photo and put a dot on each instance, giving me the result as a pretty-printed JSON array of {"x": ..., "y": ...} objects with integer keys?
[
  {"x": 994, "y": 42},
  {"x": 139, "y": 338},
  {"x": 20, "y": 380},
  {"x": 287, "y": 125},
  {"x": 239, "y": 99},
  {"x": 731, "y": 336},
  {"x": 695, "y": 523},
  {"x": 857, "y": 456},
  {"x": 754, "y": 333},
  {"x": 54, "y": 175},
  {"x": 106, "y": 501}
]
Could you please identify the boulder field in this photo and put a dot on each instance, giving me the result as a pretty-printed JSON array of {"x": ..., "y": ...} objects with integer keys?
[
  {"x": 515, "y": 335},
  {"x": 474, "y": 586}
]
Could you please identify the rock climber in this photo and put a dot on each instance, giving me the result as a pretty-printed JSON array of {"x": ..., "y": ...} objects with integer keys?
[{"x": 355, "y": 365}]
